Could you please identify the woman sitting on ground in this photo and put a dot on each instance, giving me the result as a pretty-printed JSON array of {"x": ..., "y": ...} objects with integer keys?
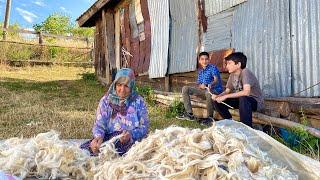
[{"x": 120, "y": 111}]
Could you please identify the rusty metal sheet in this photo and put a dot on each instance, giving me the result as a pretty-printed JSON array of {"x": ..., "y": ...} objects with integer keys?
[
  {"x": 202, "y": 15},
  {"x": 142, "y": 56},
  {"x": 217, "y": 58},
  {"x": 147, "y": 33},
  {"x": 135, "y": 50},
  {"x": 133, "y": 22}
]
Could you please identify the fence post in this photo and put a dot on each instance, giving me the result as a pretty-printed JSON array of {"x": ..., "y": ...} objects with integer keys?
[
  {"x": 88, "y": 43},
  {"x": 41, "y": 47},
  {"x": 4, "y": 35},
  {"x": 6, "y": 19},
  {"x": 40, "y": 38}
]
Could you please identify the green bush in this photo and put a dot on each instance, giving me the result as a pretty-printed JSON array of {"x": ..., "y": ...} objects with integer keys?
[
  {"x": 301, "y": 141},
  {"x": 174, "y": 109},
  {"x": 307, "y": 143},
  {"x": 88, "y": 76},
  {"x": 147, "y": 93},
  {"x": 19, "y": 53}
]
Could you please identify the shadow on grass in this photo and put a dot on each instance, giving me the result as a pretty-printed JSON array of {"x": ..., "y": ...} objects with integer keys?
[{"x": 72, "y": 87}]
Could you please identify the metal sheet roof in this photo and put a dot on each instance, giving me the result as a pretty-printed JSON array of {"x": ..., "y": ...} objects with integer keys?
[
  {"x": 159, "y": 17},
  {"x": 184, "y": 37}
]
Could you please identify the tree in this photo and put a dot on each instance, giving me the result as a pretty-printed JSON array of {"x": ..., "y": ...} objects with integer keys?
[
  {"x": 55, "y": 24},
  {"x": 83, "y": 32},
  {"x": 14, "y": 26},
  {"x": 60, "y": 24}
]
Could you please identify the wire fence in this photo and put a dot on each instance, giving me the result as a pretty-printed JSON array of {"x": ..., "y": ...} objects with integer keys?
[{"x": 29, "y": 47}]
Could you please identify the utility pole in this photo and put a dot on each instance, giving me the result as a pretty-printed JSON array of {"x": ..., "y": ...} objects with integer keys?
[{"x": 6, "y": 19}]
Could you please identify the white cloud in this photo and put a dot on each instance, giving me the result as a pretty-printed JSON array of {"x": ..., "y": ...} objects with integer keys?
[
  {"x": 65, "y": 10},
  {"x": 39, "y": 3},
  {"x": 26, "y": 15}
]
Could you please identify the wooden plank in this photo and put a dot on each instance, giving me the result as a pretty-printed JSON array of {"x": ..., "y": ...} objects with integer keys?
[
  {"x": 122, "y": 36},
  {"x": 142, "y": 56},
  {"x": 307, "y": 105},
  {"x": 86, "y": 19},
  {"x": 127, "y": 36},
  {"x": 314, "y": 120},
  {"x": 133, "y": 22},
  {"x": 142, "y": 36},
  {"x": 202, "y": 16},
  {"x": 117, "y": 39},
  {"x": 147, "y": 32},
  {"x": 138, "y": 12},
  {"x": 96, "y": 48},
  {"x": 135, "y": 49},
  {"x": 104, "y": 51},
  {"x": 167, "y": 83},
  {"x": 111, "y": 39},
  {"x": 42, "y": 45},
  {"x": 282, "y": 108},
  {"x": 23, "y": 31}
]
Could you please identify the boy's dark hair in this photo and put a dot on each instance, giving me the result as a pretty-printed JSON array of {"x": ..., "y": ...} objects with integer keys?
[
  {"x": 237, "y": 57},
  {"x": 203, "y": 53}
]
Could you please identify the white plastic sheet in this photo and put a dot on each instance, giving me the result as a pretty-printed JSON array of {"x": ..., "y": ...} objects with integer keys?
[{"x": 305, "y": 167}]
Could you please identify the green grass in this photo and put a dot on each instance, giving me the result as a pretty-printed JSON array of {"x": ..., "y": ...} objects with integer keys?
[{"x": 38, "y": 99}]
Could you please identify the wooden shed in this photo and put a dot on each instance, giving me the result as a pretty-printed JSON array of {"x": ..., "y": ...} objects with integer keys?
[{"x": 124, "y": 38}]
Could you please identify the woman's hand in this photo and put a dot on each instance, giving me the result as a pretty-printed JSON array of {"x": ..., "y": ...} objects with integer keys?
[
  {"x": 126, "y": 137},
  {"x": 95, "y": 144}
]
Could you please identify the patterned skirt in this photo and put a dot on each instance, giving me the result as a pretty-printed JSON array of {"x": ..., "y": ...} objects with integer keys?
[{"x": 121, "y": 148}]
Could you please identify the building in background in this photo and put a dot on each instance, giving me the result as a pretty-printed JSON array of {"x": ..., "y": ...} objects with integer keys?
[{"x": 160, "y": 40}]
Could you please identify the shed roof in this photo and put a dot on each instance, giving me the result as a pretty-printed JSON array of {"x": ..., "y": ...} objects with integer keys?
[{"x": 87, "y": 19}]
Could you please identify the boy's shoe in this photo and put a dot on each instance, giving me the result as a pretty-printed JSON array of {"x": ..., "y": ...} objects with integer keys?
[
  {"x": 186, "y": 116},
  {"x": 207, "y": 122}
]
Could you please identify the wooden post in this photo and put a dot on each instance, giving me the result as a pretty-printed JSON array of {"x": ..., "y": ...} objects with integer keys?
[
  {"x": 104, "y": 49},
  {"x": 167, "y": 83},
  {"x": 40, "y": 38},
  {"x": 88, "y": 42},
  {"x": 6, "y": 19},
  {"x": 41, "y": 53}
]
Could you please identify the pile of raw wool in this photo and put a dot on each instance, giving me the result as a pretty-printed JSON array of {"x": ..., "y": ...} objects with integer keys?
[
  {"x": 172, "y": 153},
  {"x": 44, "y": 156}
]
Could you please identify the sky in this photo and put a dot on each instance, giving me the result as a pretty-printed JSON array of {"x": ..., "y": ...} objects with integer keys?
[{"x": 30, "y": 12}]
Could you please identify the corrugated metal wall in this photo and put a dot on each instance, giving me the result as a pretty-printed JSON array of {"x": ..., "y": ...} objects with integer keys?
[
  {"x": 218, "y": 35},
  {"x": 159, "y": 17},
  {"x": 184, "y": 37},
  {"x": 305, "y": 29},
  {"x": 261, "y": 30},
  {"x": 213, "y": 7}
]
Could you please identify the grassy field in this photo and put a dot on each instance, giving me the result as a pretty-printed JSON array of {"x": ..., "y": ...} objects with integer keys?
[{"x": 38, "y": 99}]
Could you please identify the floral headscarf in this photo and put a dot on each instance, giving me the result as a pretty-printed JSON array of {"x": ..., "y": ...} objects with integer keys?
[{"x": 126, "y": 76}]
